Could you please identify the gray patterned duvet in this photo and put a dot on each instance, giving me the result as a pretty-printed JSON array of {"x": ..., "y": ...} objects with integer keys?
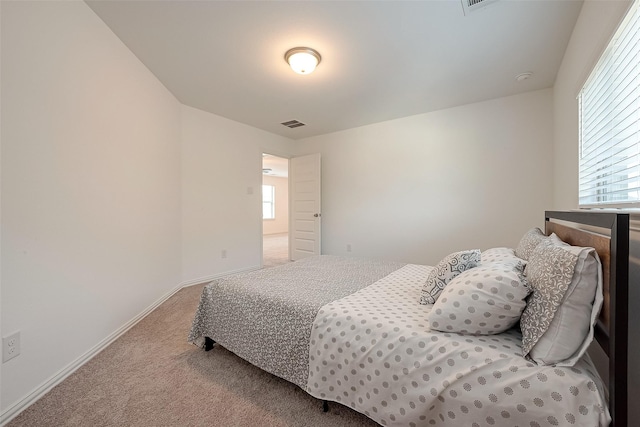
[{"x": 265, "y": 316}]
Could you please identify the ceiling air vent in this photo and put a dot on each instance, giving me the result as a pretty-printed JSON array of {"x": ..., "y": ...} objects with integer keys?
[
  {"x": 294, "y": 123},
  {"x": 469, "y": 6}
]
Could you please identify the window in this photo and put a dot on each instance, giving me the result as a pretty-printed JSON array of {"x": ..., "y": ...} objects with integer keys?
[
  {"x": 268, "y": 202},
  {"x": 609, "y": 126}
]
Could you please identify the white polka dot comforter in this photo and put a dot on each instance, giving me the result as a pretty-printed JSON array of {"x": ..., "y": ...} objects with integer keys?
[{"x": 373, "y": 351}]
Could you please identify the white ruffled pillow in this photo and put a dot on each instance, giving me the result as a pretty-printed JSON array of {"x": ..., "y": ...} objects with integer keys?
[
  {"x": 485, "y": 300},
  {"x": 450, "y": 266},
  {"x": 499, "y": 255}
]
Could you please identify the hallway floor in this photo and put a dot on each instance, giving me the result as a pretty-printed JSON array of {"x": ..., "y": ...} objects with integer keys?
[{"x": 275, "y": 249}]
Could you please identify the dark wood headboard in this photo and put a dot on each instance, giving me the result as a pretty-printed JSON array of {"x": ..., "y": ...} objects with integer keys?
[{"x": 611, "y": 242}]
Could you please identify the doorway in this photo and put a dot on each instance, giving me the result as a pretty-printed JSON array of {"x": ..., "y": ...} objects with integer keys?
[{"x": 275, "y": 210}]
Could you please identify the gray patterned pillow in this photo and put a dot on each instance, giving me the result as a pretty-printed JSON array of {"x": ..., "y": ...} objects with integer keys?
[
  {"x": 486, "y": 300},
  {"x": 549, "y": 273},
  {"x": 529, "y": 242},
  {"x": 572, "y": 328},
  {"x": 450, "y": 266}
]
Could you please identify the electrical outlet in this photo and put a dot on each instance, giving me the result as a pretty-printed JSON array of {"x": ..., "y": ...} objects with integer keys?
[
  {"x": 349, "y": 247},
  {"x": 10, "y": 346},
  {"x": 223, "y": 253}
]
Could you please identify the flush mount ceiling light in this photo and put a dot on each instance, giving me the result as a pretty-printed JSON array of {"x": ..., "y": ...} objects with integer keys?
[{"x": 302, "y": 60}]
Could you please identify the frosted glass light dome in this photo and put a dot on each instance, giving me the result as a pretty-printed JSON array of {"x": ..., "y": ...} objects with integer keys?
[{"x": 302, "y": 60}]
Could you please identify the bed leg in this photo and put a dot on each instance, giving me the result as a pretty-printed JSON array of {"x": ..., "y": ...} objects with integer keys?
[
  {"x": 208, "y": 343},
  {"x": 325, "y": 406}
]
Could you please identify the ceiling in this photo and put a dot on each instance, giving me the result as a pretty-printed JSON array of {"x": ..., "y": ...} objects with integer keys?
[
  {"x": 381, "y": 60},
  {"x": 275, "y": 166}
]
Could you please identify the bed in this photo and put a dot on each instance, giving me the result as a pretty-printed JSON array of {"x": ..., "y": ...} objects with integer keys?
[{"x": 351, "y": 331}]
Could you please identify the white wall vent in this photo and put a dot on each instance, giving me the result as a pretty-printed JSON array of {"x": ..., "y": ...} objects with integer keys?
[
  {"x": 292, "y": 124},
  {"x": 469, "y": 6}
]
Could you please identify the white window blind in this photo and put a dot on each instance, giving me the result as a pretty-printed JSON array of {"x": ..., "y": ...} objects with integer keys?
[{"x": 609, "y": 106}]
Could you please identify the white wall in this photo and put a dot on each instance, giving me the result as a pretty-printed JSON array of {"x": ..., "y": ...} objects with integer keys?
[
  {"x": 417, "y": 188},
  {"x": 596, "y": 24},
  {"x": 90, "y": 188},
  {"x": 280, "y": 224},
  {"x": 221, "y": 164},
  {"x": 0, "y": 203}
]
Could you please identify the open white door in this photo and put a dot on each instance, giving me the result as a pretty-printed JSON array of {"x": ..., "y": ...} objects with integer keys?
[{"x": 304, "y": 176}]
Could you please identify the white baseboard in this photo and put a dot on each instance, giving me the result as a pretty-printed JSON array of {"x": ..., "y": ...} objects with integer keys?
[
  {"x": 15, "y": 409},
  {"x": 56, "y": 379}
]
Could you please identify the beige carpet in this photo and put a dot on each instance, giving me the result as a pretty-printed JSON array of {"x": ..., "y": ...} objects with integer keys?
[
  {"x": 275, "y": 249},
  {"x": 152, "y": 377}
]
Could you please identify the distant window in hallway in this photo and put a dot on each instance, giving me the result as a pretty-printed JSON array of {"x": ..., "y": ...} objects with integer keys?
[{"x": 268, "y": 202}]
